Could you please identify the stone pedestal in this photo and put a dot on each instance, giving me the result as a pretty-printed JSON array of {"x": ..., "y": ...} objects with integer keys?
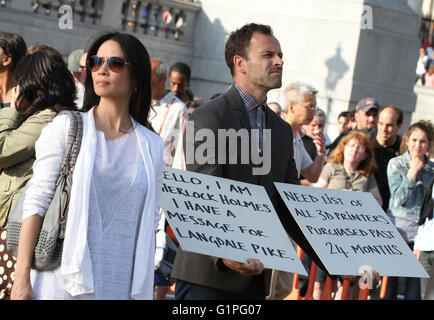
[{"x": 346, "y": 49}]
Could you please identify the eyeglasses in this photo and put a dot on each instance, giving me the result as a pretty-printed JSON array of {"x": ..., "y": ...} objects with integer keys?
[
  {"x": 310, "y": 108},
  {"x": 115, "y": 64}
]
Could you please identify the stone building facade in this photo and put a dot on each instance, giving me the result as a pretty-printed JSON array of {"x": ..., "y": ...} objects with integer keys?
[{"x": 347, "y": 49}]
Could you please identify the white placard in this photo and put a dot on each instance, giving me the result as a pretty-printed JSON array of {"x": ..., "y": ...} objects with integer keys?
[
  {"x": 348, "y": 230},
  {"x": 226, "y": 219}
]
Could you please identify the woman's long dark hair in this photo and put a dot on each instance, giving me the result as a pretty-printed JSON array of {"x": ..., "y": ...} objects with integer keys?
[
  {"x": 140, "y": 66},
  {"x": 14, "y": 46},
  {"x": 45, "y": 82}
]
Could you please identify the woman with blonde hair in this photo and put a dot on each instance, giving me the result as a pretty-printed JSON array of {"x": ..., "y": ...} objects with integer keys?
[{"x": 350, "y": 166}]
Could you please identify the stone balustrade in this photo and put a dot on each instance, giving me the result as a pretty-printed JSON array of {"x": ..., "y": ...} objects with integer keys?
[{"x": 168, "y": 19}]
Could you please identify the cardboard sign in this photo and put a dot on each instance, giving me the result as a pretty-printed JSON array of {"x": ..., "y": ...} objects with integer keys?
[
  {"x": 348, "y": 230},
  {"x": 227, "y": 219}
]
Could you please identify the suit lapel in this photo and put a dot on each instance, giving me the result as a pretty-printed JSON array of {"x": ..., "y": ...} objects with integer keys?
[
  {"x": 274, "y": 145},
  {"x": 239, "y": 108}
]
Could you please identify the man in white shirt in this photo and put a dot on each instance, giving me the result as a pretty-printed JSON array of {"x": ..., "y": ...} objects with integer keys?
[
  {"x": 424, "y": 243},
  {"x": 422, "y": 65},
  {"x": 167, "y": 116},
  {"x": 300, "y": 104},
  {"x": 77, "y": 66}
]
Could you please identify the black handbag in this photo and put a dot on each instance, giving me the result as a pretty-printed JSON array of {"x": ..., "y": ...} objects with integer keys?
[{"x": 49, "y": 247}]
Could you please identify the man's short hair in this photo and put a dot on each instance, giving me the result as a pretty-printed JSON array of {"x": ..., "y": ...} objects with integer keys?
[
  {"x": 160, "y": 69},
  {"x": 182, "y": 68},
  {"x": 344, "y": 114},
  {"x": 279, "y": 108},
  {"x": 74, "y": 60},
  {"x": 320, "y": 115},
  {"x": 397, "y": 110},
  {"x": 239, "y": 40},
  {"x": 295, "y": 92}
]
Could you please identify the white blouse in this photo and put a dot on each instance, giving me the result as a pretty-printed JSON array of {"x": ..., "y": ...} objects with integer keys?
[
  {"x": 114, "y": 260},
  {"x": 424, "y": 239}
]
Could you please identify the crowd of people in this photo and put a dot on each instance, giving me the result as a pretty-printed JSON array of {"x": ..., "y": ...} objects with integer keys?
[
  {"x": 133, "y": 126},
  {"x": 425, "y": 67}
]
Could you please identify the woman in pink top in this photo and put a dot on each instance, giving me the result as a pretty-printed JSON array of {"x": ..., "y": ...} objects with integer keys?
[{"x": 429, "y": 77}]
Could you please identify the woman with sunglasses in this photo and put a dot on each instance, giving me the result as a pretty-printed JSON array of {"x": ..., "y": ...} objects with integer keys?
[{"x": 109, "y": 244}]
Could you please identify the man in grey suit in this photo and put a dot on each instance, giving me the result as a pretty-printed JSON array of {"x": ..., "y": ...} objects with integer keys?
[{"x": 254, "y": 58}]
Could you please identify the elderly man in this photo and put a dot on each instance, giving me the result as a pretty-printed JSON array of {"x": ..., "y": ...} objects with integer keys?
[
  {"x": 317, "y": 125},
  {"x": 300, "y": 102},
  {"x": 168, "y": 116},
  {"x": 276, "y": 108},
  {"x": 77, "y": 67}
]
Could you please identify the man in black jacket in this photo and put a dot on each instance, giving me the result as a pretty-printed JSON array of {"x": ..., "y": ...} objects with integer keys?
[
  {"x": 386, "y": 146},
  {"x": 254, "y": 57}
]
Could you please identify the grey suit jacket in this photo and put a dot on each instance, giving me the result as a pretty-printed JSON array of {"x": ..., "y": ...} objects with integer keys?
[{"x": 228, "y": 112}]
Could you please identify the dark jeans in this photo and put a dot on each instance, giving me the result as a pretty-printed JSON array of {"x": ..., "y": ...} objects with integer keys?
[
  {"x": 190, "y": 291},
  {"x": 411, "y": 289},
  {"x": 421, "y": 77}
]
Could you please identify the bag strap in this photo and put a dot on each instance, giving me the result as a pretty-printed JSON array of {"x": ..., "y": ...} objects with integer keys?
[
  {"x": 77, "y": 141},
  {"x": 73, "y": 142}
]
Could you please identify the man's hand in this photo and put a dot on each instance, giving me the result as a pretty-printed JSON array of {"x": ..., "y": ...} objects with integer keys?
[
  {"x": 366, "y": 273},
  {"x": 320, "y": 142},
  {"x": 14, "y": 96},
  {"x": 252, "y": 267}
]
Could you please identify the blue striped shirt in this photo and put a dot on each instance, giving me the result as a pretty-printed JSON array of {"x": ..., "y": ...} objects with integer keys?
[{"x": 256, "y": 113}]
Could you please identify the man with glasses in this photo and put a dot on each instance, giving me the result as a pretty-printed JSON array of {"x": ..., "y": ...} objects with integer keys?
[
  {"x": 77, "y": 66},
  {"x": 300, "y": 105},
  {"x": 300, "y": 102}
]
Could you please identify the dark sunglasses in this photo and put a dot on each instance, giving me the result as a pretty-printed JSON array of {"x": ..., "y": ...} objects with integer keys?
[{"x": 115, "y": 64}]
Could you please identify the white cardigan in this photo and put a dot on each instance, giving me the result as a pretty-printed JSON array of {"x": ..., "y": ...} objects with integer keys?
[{"x": 76, "y": 270}]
